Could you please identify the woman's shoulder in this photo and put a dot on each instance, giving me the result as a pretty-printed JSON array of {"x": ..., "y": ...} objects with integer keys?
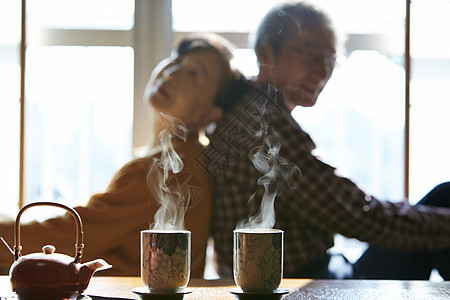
[
  {"x": 137, "y": 164},
  {"x": 134, "y": 170}
]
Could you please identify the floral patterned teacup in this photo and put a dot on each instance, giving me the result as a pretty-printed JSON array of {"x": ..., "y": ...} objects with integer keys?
[
  {"x": 258, "y": 259},
  {"x": 165, "y": 260}
]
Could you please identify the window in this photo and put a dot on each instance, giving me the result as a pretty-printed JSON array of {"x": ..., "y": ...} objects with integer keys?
[
  {"x": 9, "y": 103},
  {"x": 79, "y": 97},
  {"x": 79, "y": 87},
  {"x": 430, "y": 78},
  {"x": 79, "y": 120},
  {"x": 81, "y": 14}
]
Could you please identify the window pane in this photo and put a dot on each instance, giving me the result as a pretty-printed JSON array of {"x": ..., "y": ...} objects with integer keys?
[
  {"x": 9, "y": 105},
  {"x": 429, "y": 142},
  {"x": 81, "y": 14},
  {"x": 10, "y": 23},
  {"x": 79, "y": 120},
  {"x": 358, "y": 122}
]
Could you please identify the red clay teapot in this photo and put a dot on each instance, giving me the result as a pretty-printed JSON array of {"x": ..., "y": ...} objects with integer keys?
[{"x": 50, "y": 275}]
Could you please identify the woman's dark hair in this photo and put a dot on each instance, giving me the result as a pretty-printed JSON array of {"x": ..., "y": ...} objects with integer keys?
[
  {"x": 286, "y": 20},
  {"x": 233, "y": 84}
]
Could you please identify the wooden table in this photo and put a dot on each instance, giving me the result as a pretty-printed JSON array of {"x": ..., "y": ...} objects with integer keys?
[{"x": 120, "y": 288}]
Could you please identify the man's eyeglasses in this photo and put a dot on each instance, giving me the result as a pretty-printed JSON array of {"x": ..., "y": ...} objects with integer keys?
[{"x": 313, "y": 58}]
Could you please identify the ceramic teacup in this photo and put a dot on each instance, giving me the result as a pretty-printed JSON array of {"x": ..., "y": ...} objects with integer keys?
[
  {"x": 165, "y": 260},
  {"x": 258, "y": 259}
]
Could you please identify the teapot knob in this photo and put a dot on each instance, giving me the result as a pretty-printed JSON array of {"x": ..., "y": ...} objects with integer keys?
[{"x": 48, "y": 249}]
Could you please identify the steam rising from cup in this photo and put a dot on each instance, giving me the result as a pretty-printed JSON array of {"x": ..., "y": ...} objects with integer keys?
[
  {"x": 277, "y": 172},
  {"x": 170, "y": 215}
]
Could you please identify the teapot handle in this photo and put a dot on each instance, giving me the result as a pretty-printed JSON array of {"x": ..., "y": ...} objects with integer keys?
[{"x": 79, "y": 233}]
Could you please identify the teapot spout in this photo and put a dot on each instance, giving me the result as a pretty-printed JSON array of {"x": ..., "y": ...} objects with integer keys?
[
  {"x": 88, "y": 269},
  {"x": 97, "y": 265}
]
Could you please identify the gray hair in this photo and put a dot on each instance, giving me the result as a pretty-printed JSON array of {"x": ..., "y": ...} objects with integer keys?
[{"x": 286, "y": 20}]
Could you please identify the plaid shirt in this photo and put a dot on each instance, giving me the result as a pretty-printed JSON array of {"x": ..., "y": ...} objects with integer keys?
[{"x": 319, "y": 204}]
